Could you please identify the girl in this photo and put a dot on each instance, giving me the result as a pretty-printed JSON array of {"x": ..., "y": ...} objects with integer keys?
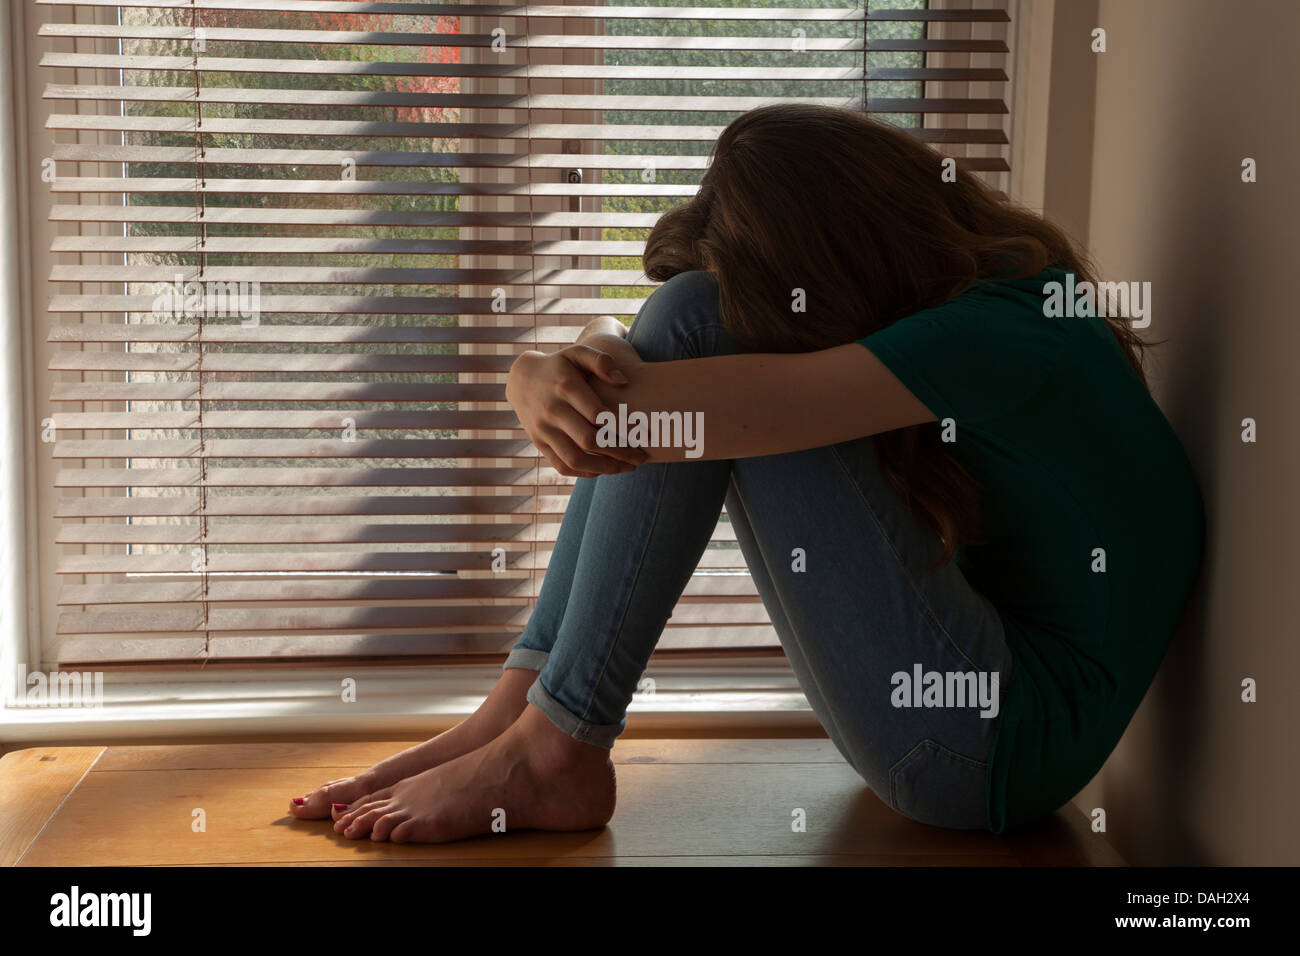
[{"x": 1000, "y": 526}]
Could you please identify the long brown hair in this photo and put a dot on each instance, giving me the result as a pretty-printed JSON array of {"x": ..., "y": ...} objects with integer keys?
[{"x": 855, "y": 213}]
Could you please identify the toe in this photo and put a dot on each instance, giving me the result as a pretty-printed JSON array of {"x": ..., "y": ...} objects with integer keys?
[
  {"x": 385, "y": 825},
  {"x": 343, "y": 818},
  {"x": 361, "y": 824},
  {"x": 313, "y": 805},
  {"x": 344, "y": 815},
  {"x": 317, "y": 804},
  {"x": 403, "y": 832},
  {"x": 424, "y": 828}
]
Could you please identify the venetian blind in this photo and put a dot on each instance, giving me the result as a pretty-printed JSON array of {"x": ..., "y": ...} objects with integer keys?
[{"x": 301, "y": 243}]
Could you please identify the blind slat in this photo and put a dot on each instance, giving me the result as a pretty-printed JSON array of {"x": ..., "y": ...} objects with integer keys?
[
  {"x": 320, "y": 533},
  {"x": 676, "y": 643},
  {"x": 702, "y": 587},
  {"x": 270, "y": 158},
  {"x": 515, "y": 42},
  {"x": 311, "y": 505},
  {"x": 315, "y": 334},
  {"x": 324, "y": 618},
  {"x": 497, "y": 71},
  {"x": 343, "y": 562},
  {"x": 339, "y": 245},
  {"x": 347, "y": 392},
  {"x": 363, "y": 129},
  {"x": 307, "y": 477},
  {"x": 332, "y": 276},
  {"x": 309, "y": 217},
  {"x": 367, "y": 305},
  {"x": 277, "y": 447},
  {"x": 543, "y": 11},
  {"x": 258, "y": 363},
  {"x": 513, "y": 101}
]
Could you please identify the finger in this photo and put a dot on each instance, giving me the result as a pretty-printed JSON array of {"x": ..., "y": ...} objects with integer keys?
[
  {"x": 598, "y": 363},
  {"x": 574, "y": 390},
  {"x": 557, "y": 463},
  {"x": 577, "y": 459},
  {"x": 577, "y": 394},
  {"x": 584, "y": 435}
]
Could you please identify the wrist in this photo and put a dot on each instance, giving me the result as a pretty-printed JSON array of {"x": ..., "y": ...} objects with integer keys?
[
  {"x": 615, "y": 346},
  {"x": 602, "y": 325},
  {"x": 517, "y": 369}
]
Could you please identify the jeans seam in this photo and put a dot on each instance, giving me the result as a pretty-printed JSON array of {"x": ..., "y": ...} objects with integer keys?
[
  {"x": 689, "y": 339},
  {"x": 529, "y": 625},
  {"x": 640, "y": 565},
  {"x": 921, "y": 599},
  {"x": 937, "y": 746}
]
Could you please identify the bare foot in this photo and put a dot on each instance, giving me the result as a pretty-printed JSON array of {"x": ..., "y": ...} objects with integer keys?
[
  {"x": 501, "y": 708},
  {"x": 532, "y": 777}
]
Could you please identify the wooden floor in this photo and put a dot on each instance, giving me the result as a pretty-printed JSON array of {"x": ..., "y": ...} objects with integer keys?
[{"x": 681, "y": 802}]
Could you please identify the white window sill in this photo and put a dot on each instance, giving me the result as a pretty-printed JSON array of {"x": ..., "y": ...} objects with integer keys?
[{"x": 397, "y": 701}]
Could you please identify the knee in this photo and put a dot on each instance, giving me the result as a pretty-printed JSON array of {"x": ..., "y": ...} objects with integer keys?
[{"x": 680, "y": 320}]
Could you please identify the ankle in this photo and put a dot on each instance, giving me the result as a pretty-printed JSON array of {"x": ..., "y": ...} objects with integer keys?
[
  {"x": 550, "y": 749},
  {"x": 508, "y": 697}
]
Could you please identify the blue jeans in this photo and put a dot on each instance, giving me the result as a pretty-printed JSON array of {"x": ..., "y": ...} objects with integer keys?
[{"x": 864, "y": 611}]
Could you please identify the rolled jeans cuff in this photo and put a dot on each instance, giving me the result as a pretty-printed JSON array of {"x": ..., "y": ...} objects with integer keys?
[
  {"x": 526, "y": 658},
  {"x": 600, "y": 735}
]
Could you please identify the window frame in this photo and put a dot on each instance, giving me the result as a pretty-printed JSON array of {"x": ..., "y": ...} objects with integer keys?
[{"x": 704, "y": 692}]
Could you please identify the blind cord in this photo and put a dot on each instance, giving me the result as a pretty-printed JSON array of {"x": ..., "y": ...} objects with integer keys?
[
  {"x": 532, "y": 280},
  {"x": 200, "y": 204},
  {"x": 866, "y": 4}
]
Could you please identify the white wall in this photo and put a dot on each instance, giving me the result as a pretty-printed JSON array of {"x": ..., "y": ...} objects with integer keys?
[{"x": 1185, "y": 91}]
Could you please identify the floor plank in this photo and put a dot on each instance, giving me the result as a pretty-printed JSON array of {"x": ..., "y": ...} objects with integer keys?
[
  {"x": 33, "y": 784},
  {"x": 348, "y": 757},
  {"x": 681, "y": 802}
]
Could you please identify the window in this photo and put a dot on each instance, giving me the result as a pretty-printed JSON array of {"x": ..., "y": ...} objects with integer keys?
[{"x": 301, "y": 242}]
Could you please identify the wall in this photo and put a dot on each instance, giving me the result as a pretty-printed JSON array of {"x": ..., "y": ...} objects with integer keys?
[{"x": 1186, "y": 89}]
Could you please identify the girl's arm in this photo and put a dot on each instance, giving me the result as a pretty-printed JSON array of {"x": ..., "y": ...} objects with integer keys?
[
  {"x": 603, "y": 325},
  {"x": 743, "y": 406},
  {"x": 739, "y": 406}
]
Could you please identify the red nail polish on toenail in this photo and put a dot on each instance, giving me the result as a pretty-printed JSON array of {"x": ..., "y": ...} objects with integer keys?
[
  {"x": 299, "y": 801},
  {"x": 340, "y": 806}
]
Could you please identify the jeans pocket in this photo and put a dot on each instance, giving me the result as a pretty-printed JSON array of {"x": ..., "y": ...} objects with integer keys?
[{"x": 934, "y": 785}]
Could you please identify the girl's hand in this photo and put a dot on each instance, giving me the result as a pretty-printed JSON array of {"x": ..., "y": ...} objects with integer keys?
[{"x": 558, "y": 409}]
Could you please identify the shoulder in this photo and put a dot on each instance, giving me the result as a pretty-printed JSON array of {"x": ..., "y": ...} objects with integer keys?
[{"x": 983, "y": 351}]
